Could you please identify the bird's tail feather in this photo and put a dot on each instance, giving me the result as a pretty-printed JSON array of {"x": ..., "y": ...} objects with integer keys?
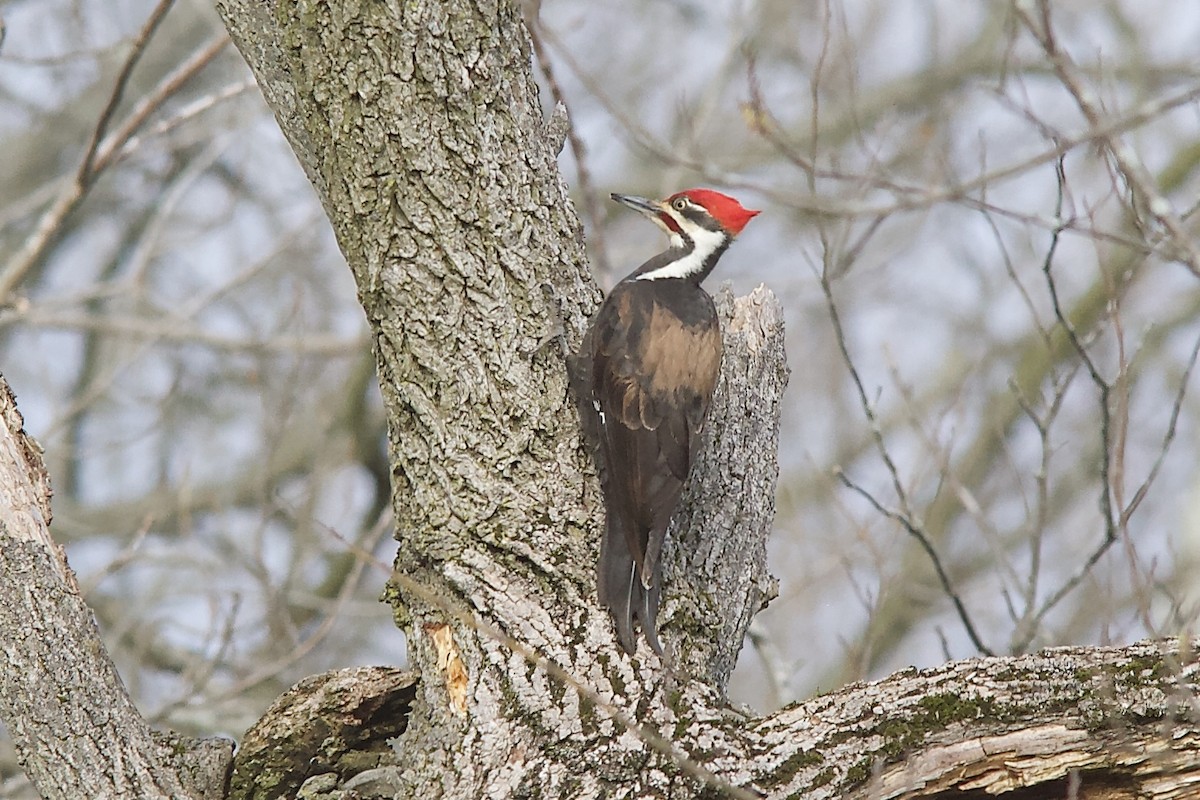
[
  {"x": 620, "y": 588},
  {"x": 648, "y": 604}
]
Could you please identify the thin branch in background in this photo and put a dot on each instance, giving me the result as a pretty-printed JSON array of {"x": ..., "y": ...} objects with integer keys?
[
  {"x": 1168, "y": 438},
  {"x": 1009, "y": 605},
  {"x": 907, "y": 197},
  {"x": 1063, "y": 145},
  {"x": 171, "y": 330},
  {"x": 863, "y": 591},
  {"x": 919, "y": 534},
  {"x": 915, "y": 197},
  {"x": 1075, "y": 226},
  {"x": 868, "y": 594},
  {"x": 763, "y": 122},
  {"x": 945, "y": 644},
  {"x": 111, "y": 148},
  {"x": 199, "y": 673},
  {"x": 1102, "y": 385},
  {"x": 1144, "y": 581},
  {"x": 127, "y": 555},
  {"x": 904, "y": 517},
  {"x": 137, "y": 48},
  {"x": 364, "y": 554},
  {"x": 1120, "y": 386},
  {"x": 778, "y": 669},
  {"x": 852, "y": 250},
  {"x": 1026, "y": 628},
  {"x": 642, "y": 140},
  {"x": 1120, "y": 393},
  {"x": 1134, "y": 172},
  {"x": 1104, "y": 390},
  {"x": 101, "y": 153},
  {"x": 1011, "y": 270},
  {"x": 1070, "y": 584},
  {"x": 185, "y": 114},
  {"x": 707, "y": 108},
  {"x": 150, "y": 333},
  {"x": 941, "y": 456}
]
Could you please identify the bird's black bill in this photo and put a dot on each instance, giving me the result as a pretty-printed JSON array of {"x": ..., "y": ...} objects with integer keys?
[{"x": 637, "y": 203}]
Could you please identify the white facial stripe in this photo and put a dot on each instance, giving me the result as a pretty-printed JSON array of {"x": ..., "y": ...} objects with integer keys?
[{"x": 704, "y": 244}]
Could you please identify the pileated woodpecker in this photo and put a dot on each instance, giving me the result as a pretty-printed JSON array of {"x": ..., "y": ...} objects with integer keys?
[{"x": 644, "y": 378}]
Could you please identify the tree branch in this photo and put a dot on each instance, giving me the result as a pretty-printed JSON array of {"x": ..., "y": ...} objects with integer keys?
[{"x": 75, "y": 729}]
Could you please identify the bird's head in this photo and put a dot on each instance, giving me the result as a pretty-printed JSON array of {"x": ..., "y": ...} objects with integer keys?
[{"x": 692, "y": 212}]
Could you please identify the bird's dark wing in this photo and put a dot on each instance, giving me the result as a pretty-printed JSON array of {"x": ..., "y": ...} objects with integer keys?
[{"x": 652, "y": 377}]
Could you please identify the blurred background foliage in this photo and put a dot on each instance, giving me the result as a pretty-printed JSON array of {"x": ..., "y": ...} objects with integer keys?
[{"x": 979, "y": 220}]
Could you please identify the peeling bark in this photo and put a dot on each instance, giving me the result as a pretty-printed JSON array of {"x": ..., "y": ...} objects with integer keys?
[
  {"x": 1102, "y": 720},
  {"x": 328, "y": 730}
]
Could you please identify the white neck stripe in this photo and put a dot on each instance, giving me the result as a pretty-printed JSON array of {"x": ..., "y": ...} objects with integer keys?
[{"x": 704, "y": 244}]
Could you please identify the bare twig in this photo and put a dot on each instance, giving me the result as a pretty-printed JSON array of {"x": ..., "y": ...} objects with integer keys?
[
  {"x": 919, "y": 534},
  {"x": 84, "y": 173},
  {"x": 1138, "y": 178},
  {"x": 175, "y": 329},
  {"x": 364, "y": 554},
  {"x": 1140, "y": 494},
  {"x": 185, "y": 114},
  {"x": 904, "y": 516},
  {"x": 1102, "y": 385},
  {"x": 1104, "y": 389},
  {"x": 102, "y": 151},
  {"x": 1026, "y": 627}
]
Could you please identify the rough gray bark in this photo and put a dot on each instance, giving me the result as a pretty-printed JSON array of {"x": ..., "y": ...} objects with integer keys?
[
  {"x": 1084, "y": 723},
  {"x": 420, "y": 127},
  {"x": 75, "y": 730}
]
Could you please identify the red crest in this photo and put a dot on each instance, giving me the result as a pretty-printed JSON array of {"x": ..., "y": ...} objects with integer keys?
[{"x": 723, "y": 208}]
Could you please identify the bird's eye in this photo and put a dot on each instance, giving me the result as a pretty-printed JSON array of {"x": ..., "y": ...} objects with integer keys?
[{"x": 679, "y": 203}]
